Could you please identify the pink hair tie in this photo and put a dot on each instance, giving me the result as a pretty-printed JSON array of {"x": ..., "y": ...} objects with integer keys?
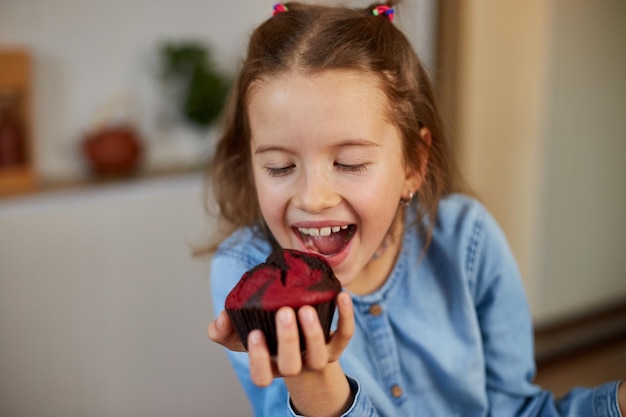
[
  {"x": 383, "y": 10},
  {"x": 279, "y": 8}
]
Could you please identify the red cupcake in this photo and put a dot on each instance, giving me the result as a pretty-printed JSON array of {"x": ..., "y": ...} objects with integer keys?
[{"x": 287, "y": 278}]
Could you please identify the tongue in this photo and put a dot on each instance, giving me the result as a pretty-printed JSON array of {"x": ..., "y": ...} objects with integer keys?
[{"x": 328, "y": 245}]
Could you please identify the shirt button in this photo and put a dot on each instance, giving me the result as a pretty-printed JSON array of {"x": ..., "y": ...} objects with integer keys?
[
  {"x": 376, "y": 310},
  {"x": 396, "y": 391}
]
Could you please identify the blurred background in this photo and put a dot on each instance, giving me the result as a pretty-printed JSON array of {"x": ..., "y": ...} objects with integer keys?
[{"x": 106, "y": 124}]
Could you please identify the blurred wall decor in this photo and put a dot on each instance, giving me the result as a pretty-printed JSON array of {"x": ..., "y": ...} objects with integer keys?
[
  {"x": 113, "y": 150},
  {"x": 17, "y": 163},
  {"x": 94, "y": 50},
  {"x": 192, "y": 81},
  {"x": 113, "y": 147}
]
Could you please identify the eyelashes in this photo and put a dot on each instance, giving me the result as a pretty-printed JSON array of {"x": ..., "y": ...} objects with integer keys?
[
  {"x": 279, "y": 172},
  {"x": 351, "y": 169}
]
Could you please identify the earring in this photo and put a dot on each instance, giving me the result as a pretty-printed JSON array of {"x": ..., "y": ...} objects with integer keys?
[{"x": 406, "y": 201}]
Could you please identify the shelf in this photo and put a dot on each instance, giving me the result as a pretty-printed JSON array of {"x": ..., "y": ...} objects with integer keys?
[
  {"x": 14, "y": 189},
  {"x": 17, "y": 180}
]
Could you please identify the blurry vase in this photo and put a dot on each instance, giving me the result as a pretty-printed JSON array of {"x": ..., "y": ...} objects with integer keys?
[{"x": 113, "y": 150}]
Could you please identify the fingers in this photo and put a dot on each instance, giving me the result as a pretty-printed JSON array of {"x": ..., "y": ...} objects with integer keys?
[
  {"x": 318, "y": 352},
  {"x": 345, "y": 327},
  {"x": 316, "y": 356},
  {"x": 288, "y": 359},
  {"x": 222, "y": 331},
  {"x": 261, "y": 371}
]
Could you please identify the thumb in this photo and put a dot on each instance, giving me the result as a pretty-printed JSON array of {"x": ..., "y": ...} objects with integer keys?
[{"x": 222, "y": 331}]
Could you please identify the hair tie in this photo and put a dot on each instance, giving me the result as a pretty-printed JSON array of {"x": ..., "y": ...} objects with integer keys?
[
  {"x": 383, "y": 10},
  {"x": 279, "y": 8}
]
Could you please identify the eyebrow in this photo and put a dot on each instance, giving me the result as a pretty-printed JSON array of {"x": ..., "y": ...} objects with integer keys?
[
  {"x": 357, "y": 142},
  {"x": 270, "y": 148},
  {"x": 344, "y": 144}
]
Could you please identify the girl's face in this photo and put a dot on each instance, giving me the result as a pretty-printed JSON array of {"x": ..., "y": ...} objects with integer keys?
[{"x": 329, "y": 170}]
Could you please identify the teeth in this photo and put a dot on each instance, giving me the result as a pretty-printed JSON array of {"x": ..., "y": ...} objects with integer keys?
[{"x": 324, "y": 231}]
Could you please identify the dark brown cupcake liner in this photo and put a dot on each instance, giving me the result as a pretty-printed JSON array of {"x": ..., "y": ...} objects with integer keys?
[{"x": 246, "y": 320}]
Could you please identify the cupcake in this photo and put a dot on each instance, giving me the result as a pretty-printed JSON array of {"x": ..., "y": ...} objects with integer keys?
[{"x": 287, "y": 278}]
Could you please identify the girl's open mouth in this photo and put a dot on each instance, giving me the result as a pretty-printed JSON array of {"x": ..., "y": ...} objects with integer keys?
[{"x": 328, "y": 240}]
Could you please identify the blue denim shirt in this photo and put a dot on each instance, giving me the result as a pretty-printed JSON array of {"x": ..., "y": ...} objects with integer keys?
[{"x": 450, "y": 333}]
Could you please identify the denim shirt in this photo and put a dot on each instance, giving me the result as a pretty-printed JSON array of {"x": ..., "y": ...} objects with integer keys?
[{"x": 448, "y": 334}]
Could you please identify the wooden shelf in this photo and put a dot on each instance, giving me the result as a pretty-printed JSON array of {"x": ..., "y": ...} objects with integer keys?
[
  {"x": 17, "y": 180},
  {"x": 14, "y": 189}
]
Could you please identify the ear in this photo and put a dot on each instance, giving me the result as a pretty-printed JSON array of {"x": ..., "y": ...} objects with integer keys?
[{"x": 415, "y": 177}]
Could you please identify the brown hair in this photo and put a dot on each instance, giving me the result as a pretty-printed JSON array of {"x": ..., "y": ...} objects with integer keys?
[{"x": 312, "y": 39}]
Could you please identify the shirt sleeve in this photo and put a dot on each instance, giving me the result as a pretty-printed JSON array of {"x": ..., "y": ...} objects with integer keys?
[
  {"x": 361, "y": 406},
  {"x": 506, "y": 331}
]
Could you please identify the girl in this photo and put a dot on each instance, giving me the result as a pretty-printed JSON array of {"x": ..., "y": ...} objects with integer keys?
[{"x": 333, "y": 145}]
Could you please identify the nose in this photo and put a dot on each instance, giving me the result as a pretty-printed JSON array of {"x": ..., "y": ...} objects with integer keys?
[{"x": 316, "y": 192}]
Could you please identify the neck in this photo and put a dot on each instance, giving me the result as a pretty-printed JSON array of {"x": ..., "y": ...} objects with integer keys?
[{"x": 377, "y": 271}]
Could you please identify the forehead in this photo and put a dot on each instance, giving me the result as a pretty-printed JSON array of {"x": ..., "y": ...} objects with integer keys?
[
  {"x": 352, "y": 99},
  {"x": 334, "y": 83}
]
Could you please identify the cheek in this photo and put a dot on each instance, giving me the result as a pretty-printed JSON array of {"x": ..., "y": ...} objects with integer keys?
[
  {"x": 266, "y": 195},
  {"x": 382, "y": 194},
  {"x": 378, "y": 204},
  {"x": 272, "y": 204}
]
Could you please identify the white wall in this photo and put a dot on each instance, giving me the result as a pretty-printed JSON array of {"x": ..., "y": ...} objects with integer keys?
[{"x": 103, "y": 311}]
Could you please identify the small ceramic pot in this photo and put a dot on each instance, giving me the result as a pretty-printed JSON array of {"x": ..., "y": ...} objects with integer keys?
[{"x": 113, "y": 150}]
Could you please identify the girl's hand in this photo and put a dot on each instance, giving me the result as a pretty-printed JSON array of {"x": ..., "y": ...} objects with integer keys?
[{"x": 289, "y": 361}]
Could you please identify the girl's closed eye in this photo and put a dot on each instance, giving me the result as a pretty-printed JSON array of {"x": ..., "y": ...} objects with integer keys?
[
  {"x": 352, "y": 168},
  {"x": 279, "y": 171}
]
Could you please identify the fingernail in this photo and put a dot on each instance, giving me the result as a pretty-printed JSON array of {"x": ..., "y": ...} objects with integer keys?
[
  {"x": 345, "y": 301},
  {"x": 307, "y": 316},
  {"x": 219, "y": 323},
  {"x": 285, "y": 317},
  {"x": 255, "y": 337}
]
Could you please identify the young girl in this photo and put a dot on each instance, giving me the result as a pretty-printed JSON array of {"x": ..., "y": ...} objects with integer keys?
[{"x": 333, "y": 145}]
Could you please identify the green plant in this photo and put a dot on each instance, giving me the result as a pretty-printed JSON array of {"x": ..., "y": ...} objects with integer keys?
[{"x": 200, "y": 89}]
